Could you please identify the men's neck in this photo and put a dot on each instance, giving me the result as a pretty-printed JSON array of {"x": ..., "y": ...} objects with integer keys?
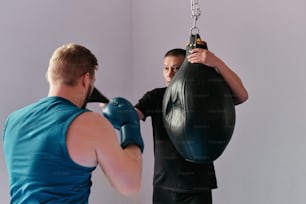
[{"x": 73, "y": 94}]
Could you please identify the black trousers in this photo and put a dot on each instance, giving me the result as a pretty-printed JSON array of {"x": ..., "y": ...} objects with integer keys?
[{"x": 162, "y": 196}]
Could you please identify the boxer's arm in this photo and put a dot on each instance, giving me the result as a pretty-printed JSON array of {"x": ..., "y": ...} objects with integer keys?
[
  {"x": 140, "y": 114},
  {"x": 231, "y": 78},
  {"x": 122, "y": 167},
  {"x": 91, "y": 141}
]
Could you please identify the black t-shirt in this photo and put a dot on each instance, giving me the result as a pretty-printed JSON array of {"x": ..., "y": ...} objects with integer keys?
[{"x": 171, "y": 171}]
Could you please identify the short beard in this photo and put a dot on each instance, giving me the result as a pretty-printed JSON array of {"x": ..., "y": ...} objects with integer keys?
[{"x": 88, "y": 94}]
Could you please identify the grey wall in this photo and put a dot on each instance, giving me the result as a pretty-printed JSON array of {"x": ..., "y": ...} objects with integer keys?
[
  {"x": 263, "y": 41},
  {"x": 32, "y": 29}
]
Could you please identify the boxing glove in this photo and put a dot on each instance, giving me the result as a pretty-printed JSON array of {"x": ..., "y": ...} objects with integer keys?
[{"x": 121, "y": 113}]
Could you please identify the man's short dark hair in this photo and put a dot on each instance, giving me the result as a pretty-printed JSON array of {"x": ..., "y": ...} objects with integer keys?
[{"x": 176, "y": 52}]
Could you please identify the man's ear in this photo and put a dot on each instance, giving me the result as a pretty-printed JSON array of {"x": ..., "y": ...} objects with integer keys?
[{"x": 86, "y": 79}]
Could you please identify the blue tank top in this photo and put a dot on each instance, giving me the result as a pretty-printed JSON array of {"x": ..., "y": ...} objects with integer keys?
[{"x": 39, "y": 166}]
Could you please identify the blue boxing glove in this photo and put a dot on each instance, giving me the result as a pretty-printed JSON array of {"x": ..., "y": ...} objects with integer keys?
[{"x": 121, "y": 113}]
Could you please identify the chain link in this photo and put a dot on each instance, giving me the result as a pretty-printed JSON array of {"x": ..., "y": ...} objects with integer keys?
[{"x": 195, "y": 14}]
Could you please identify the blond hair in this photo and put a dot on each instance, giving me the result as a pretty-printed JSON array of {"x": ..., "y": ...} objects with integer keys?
[{"x": 69, "y": 62}]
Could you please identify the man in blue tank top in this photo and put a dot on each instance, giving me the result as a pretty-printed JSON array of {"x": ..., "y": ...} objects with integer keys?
[{"x": 52, "y": 146}]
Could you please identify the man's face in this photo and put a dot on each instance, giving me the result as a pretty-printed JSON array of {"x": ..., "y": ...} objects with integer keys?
[{"x": 171, "y": 65}]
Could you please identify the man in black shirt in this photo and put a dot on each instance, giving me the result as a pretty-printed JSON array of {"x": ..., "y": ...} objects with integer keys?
[{"x": 175, "y": 179}]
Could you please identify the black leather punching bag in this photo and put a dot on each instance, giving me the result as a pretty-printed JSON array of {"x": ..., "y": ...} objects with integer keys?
[{"x": 198, "y": 110}]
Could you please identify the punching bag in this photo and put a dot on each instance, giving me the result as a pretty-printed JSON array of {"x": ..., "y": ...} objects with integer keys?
[{"x": 198, "y": 110}]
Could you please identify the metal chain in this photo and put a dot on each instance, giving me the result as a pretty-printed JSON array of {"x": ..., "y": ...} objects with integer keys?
[{"x": 195, "y": 14}]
